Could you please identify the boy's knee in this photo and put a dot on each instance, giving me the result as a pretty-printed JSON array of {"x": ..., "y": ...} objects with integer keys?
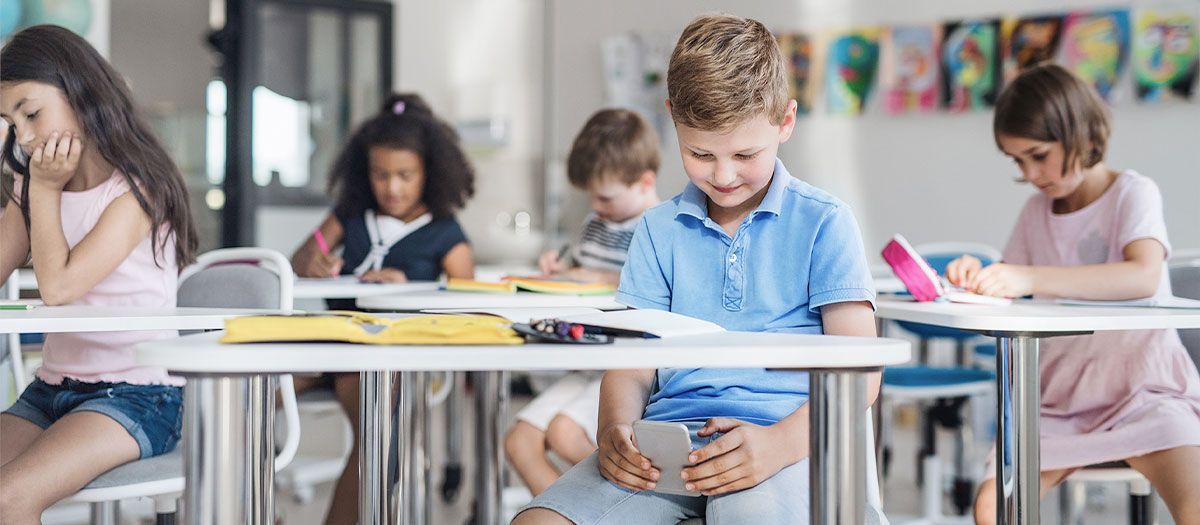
[
  {"x": 540, "y": 516},
  {"x": 985, "y": 503},
  {"x": 563, "y": 431},
  {"x": 524, "y": 440}
]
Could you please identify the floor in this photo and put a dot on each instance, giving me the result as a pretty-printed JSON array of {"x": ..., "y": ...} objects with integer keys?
[{"x": 1106, "y": 503}]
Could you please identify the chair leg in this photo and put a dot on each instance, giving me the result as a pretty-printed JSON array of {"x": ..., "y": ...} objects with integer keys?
[
  {"x": 105, "y": 513},
  {"x": 1141, "y": 503},
  {"x": 164, "y": 510},
  {"x": 1071, "y": 497}
]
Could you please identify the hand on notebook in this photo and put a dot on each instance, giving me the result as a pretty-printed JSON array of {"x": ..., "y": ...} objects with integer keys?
[
  {"x": 552, "y": 263},
  {"x": 384, "y": 275},
  {"x": 996, "y": 280},
  {"x": 321, "y": 265}
]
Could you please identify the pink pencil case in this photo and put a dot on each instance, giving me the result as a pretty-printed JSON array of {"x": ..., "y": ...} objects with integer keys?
[{"x": 912, "y": 269}]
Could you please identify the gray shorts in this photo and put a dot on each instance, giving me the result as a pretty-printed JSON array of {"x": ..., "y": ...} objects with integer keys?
[{"x": 585, "y": 497}]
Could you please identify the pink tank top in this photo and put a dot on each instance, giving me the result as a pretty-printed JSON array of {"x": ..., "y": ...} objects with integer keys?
[{"x": 138, "y": 282}]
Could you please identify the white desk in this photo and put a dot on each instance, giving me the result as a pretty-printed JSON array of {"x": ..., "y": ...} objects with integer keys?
[
  {"x": 217, "y": 403},
  {"x": 441, "y": 299},
  {"x": 71, "y": 318},
  {"x": 350, "y": 288},
  {"x": 1017, "y": 329}
]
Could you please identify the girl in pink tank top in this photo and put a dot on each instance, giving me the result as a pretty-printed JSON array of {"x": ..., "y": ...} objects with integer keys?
[
  {"x": 102, "y": 212},
  {"x": 1092, "y": 233}
]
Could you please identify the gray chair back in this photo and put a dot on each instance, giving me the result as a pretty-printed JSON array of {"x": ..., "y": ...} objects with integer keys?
[
  {"x": 1185, "y": 282},
  {"x": 231, "y": 286}
]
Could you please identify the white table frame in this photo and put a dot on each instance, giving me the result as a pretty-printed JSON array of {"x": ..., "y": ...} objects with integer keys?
[
  {"x": 442, "y": 299},
  {"x": 219, "y": 376},
  {"x": 1018, "y": 328}
]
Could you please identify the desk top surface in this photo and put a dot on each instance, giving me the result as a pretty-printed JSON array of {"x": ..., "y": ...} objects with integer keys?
[
  {"x": 202, "y": 353},
  {"x": 1035, "y": 316},
  {"x": 79, "y": 318},
  {"x": 441, "y": 299}
]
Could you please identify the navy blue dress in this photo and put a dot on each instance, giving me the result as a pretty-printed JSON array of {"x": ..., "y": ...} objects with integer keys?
[{"x": 419, "y": 254}]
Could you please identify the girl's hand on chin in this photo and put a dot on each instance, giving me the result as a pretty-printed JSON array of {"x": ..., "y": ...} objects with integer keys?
[{"x": 54, "y": 163}]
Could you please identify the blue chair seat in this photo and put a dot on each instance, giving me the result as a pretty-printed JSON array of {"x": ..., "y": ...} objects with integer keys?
[{"x": 935, "y": 382}]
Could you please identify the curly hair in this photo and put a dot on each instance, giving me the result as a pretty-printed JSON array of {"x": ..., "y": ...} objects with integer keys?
[{"x": 404, "y": 122}]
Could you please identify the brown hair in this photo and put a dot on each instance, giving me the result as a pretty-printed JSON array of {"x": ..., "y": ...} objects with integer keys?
[
  {"x": 103, "y": 105},
  {"x": 724, "y": 71},
  {"x": 1048, "y": 103},
  {"x": 613, "y": 143}
]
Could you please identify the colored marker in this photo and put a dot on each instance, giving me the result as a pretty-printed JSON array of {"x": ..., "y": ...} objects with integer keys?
[{"x": 321, "y": 241}]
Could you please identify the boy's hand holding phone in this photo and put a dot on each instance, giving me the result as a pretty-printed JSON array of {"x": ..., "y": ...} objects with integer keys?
[
  {"x": 621, "y": 462},
  {"x": 746, "y": 455}
]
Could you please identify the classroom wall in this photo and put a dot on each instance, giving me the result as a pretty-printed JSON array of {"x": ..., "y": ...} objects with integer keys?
[{"x": 934, "y": 177}]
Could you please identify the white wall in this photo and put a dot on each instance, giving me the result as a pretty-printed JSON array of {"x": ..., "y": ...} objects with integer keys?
[{"x": 932, "y": 177}]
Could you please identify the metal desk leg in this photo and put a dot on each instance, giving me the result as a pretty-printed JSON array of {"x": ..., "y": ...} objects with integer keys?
[
  {"x": 374, "y": 436},
  {"x": 837, "y": 452},
  {"x": 229, "y": 450},
  {"x": 491, "y": 401},
  {"x": 413, "y": 449},
  {"x": 1018, "y": 461}
]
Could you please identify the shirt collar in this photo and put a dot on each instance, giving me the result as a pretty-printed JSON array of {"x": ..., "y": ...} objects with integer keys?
[{"x": 695, "y": 203}]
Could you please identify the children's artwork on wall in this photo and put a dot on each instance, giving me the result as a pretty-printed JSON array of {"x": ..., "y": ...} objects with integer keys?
[
  {"x": 798, "y": 49},
  {"x": 1029, "y": 41},
  {"x": 850, "y": 66},
  {"x": 1165, "y": 55},
  {"x": 1096, "y": 47},
  {"x": 970, "y": 64},
  {"x": 909, "y": 69},
  {"x": 635, "y": 75}
]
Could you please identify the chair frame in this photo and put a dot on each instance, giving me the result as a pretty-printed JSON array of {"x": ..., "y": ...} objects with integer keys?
[{"x": 165, "y": 492}]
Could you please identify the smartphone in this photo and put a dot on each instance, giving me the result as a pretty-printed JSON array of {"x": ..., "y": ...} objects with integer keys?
[{"x": 667, "y": 445}]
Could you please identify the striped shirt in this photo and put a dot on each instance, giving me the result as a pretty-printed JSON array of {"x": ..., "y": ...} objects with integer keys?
[{"x": 603, "y": 244}]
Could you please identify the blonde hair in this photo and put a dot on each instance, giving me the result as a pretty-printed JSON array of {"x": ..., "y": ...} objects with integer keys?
[
  {"x": 724, "y": 71},
  {"x": 1050, "y": 104},
  {"x": 613, "y": 143}
]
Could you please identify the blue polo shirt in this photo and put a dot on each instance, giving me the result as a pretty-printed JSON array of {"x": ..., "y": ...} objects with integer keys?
[{"x": 799, "y": 250}]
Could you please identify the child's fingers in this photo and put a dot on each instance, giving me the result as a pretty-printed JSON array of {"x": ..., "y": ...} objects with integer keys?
[
  {"x": 35, "y": 158},
  {"x": 75, "y": 151},
  {"x": 735, "y": 478},
  {"x": 717, "y": 447},
  {"x": 613, "y": 472},
  {"x": 51, "y": 147}
]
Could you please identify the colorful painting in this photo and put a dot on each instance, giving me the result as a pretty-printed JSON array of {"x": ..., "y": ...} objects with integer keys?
[
  {"x": 970, "y": 65},
  {"x": 1165, "y": 55},
  {"x": 1029, "y": 41},
  {"x": 1096, "y": 47},
  {"x": 909, "y": 69},
  {"x": 850, "y": 65},
  {"x": 797, "y": 49}
]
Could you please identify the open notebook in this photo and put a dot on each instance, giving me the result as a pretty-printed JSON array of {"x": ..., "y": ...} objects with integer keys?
[
  {"x": 511, "y": 284},
  {"x": 922, "y": 282},
  {"x": 647, "y": 323}
]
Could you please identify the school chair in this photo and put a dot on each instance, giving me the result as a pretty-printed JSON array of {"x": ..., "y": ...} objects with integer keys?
[
  {"x": 225, "y": 278},
  {"x": 940, "y": 392},
  {"x": 1184, "y": 270}
]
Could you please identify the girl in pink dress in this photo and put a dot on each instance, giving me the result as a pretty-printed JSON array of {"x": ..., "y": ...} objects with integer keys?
[
  {"x": 1092, "y": 233},
  {"x": 103, "y": 213}
]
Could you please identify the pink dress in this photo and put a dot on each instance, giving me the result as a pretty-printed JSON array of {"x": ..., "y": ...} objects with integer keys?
[
  {"x": 1114, "y": 394},
  {"x": 138, "y": 281}
]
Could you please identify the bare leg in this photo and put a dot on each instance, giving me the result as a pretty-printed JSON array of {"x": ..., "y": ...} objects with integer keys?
[
  {"x": 64, "y": 458},
  {"x": 985, "y": 501},
  {"x": 344, "y": 508},
  {"x": 525, "y": 446},
  {"x": 540, "y": 516},
  {"x": 16, "y": 434},
  {"x": 569, "y": 440},
  {"x": 1175, "y": 473}
]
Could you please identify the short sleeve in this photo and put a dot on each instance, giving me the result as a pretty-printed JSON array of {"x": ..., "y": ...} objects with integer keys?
[
  {"x": 838, "y": 270},
  {"x": 1017, "y": 249},
  {"x": 1140, "y": 215},
  {"x": 451, "y": 235},
  {"x": 644, "y": 284}
]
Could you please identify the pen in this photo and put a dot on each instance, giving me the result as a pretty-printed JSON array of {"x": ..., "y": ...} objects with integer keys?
[
  {"x": 321, "y": 241},
  {"x": 16, "y": 307},
  {"x": 562, "y": 252}
]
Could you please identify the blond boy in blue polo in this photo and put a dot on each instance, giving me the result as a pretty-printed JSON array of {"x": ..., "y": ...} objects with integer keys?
[{"x": 748, "y": 247}]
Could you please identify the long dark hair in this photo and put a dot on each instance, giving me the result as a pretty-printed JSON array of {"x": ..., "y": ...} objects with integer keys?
[
  {"x": 112, "y": 123},
  {"x": 404, "y": 122}
]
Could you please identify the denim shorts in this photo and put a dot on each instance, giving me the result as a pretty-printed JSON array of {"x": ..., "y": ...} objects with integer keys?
[
  {"x": 586, "y": 497},
  {"x": 152, "y": 414}
]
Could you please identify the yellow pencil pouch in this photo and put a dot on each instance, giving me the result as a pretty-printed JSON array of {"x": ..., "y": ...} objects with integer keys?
[{"x": 358, "y": 327}]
